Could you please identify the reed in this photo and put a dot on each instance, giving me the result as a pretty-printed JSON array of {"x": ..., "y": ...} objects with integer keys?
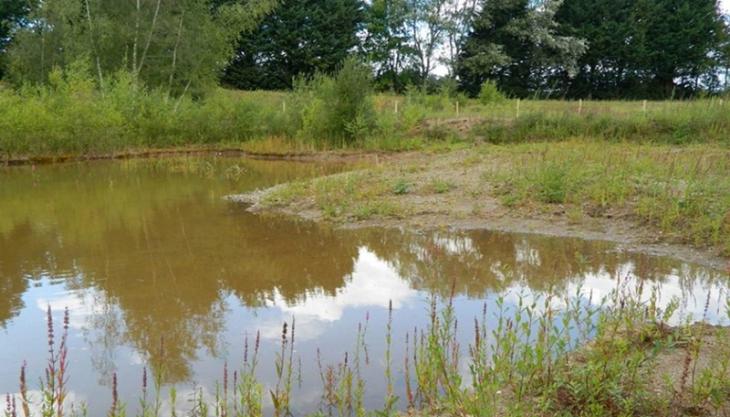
[{"x": 550, "y": 355}]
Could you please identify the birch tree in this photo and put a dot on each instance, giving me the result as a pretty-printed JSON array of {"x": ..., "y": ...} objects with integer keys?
[
  {"x": 426, "y": 23},
  {"x": 172, "y": 44}
]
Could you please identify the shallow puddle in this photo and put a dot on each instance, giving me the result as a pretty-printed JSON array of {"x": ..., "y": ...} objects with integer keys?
[{"x": 148, "y": 258}]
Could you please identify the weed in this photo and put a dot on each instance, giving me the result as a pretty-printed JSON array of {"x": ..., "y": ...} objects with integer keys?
[
  {"x": 401, "y": 187},
  {"x": 441, "y": 186},
  {"x": 554, "y": 355}
]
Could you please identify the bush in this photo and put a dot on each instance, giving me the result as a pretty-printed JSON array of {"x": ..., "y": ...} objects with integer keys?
[
  {"x": 337, "y": 109},
  {"x": 70, "y": 115},
  {"x": 489, "y": 93}
]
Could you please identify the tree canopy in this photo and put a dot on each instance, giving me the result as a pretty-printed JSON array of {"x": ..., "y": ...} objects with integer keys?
[
  {"x": 546, "y": 48},
  {"x": 175, "y": 44},
  {"x": 515, "y": 42},
  {"x": 12, "y": 14},
  {"x": 640, "y": 48},
  {"x": 299, "y": 38}
]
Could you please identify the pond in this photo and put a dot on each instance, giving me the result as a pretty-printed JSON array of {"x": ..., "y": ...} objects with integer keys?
[{"x": 154, "y": 265}]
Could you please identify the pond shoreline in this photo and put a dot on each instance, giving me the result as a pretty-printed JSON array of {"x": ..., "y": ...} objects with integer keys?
[
  {"x": 617, "y": 231},
  {"x": 294, "y": 156},
  {"x": 457, "y": 207}
]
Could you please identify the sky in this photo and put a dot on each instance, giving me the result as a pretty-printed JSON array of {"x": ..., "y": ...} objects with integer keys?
[{"x": 725, "y": 5}]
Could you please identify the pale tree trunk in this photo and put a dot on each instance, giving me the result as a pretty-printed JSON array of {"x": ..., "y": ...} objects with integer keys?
[
  {"x": 149, "y": 38},
  {"x": 136, "y": 40},
  {"x": 94, "y": 47},
  {"x": 179, "y": 100},
  {"x": 174, "y": 51}
]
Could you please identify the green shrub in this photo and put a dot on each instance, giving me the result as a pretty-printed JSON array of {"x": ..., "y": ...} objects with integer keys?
[
  {"x": 552, "y": 183},
  {"x": 489, "y": 93},
  {"x": 401, "y": 187},
  {"x": 337, "y": 109}
]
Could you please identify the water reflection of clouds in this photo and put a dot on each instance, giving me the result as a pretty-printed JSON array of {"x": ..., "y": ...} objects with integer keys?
[
  {"x": 72, "y": 404},
  {"x": 81, "y": 305},
  {"x": 373, "y": 283},
  {"x": 697, "y": 298},
  {"x": 693, "y": 298}
]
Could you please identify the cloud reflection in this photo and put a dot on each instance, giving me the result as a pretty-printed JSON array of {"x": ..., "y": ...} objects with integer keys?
[{"x": 373, "y": 283}]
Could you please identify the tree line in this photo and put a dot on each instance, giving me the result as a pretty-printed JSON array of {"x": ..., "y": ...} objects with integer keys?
[{"x": 529, "y": 48}]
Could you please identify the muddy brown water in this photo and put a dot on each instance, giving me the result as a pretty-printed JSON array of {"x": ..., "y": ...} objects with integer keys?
[{"x": 144, "y": 250}]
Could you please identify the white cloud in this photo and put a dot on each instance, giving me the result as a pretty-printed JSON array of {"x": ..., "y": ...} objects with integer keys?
[
  {"x": 73, "y": 401},
  {"x": 81, "y": 305},
  {"x": 373, "y": 283}
]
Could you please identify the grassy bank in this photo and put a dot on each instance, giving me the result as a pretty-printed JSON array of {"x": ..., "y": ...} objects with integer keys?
[
  {"x": 553, "y": 355},
  {"x": 657, "y": 192},
  {"x": 706, "y": 121},
  {"x": 71, "y": 117}
]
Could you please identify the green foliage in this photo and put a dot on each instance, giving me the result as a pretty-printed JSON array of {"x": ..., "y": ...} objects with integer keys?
[
  {"x": 11, "y": 16},
  {"x": 386, "y": 44},
  {"x": 681, "y": 123},
  {"x": 298, "y": 39},
  {"x": 337, "y": 109},
  {"x": 515, "y": 42},
  {"x": 70, "y": 115},
  {"x": 636, "y": 51},
  {"x": 401, "y": 187},
  {"x": 178, "y": 46},
  {"x": 489, "y": 93},
  {"x": 683, "y": 194},
  {"x": 552, "y": 183},
  {"x": 441, "y": 186}
]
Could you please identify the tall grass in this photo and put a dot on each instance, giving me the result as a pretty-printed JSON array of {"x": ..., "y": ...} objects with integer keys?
[
  {"x": 553, "y": 355},
  {"x": 70, "y": 115},
  {"x": 676, "y": 123},
  {"x": 684, "y": 193}
]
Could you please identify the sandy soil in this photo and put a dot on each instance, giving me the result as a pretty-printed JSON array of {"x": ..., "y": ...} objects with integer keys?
[
  {"x": 470, "y": 203},
  {"x": 687, "y": 362}
]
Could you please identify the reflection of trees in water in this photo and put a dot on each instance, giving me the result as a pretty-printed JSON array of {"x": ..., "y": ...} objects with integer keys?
[
  {"x": 12, "y": 273},
  {"x": 482, "y": 262},
  {"x": 160, "y": 248},
  {"x": 26, "y": 252},
  {"x": 173, "y": 284},
  {"x": 164, "y": 257}
]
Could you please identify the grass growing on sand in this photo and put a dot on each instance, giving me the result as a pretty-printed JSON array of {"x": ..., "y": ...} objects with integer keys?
[{"x": 681, "y": 193}]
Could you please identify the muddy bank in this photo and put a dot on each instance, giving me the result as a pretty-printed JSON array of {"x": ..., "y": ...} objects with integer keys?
[
  {"x": 448, "y": 191},
  {"x": 322, "y": 156}
]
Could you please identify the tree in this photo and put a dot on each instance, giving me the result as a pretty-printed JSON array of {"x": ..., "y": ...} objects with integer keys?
[
  {"x": 459, "y": 17},
  {"x": 386, "y": 42},
  {"x": 675, "y": 41},
  {"x": 426, "y": 24},
  {"x": 12, "y": 14},
  {"x": 725, "y": 56},
  {"x": 172, "y": 44},
  {"x": 300, "y": 38},
  {"x": 643, "y": 48},
  {"x": 604, "y": 70},
  {"x": 515, "y": 43}
]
